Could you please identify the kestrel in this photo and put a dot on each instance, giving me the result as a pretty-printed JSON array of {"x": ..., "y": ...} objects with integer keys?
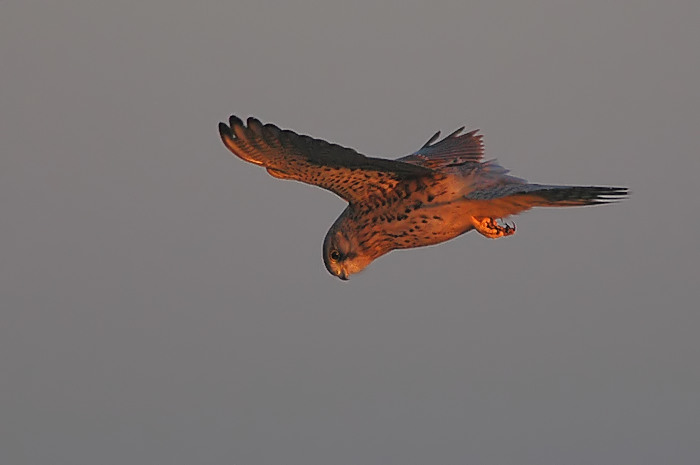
[{"x": 433, "y": 195}]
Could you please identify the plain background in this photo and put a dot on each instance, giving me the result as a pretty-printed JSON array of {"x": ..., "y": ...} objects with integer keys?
[{"x": 165, "y": 303}]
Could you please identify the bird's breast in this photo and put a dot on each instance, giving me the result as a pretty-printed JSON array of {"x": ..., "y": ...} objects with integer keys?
[{"x": 414, "y": 221}]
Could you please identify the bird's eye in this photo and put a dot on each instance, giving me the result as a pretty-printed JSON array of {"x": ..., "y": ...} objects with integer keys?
[{"x": 335, "y": 255}]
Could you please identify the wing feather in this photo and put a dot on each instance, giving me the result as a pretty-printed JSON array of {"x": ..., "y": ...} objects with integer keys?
[
  {"x": 454, "y": 150},
  {"x": 288, "y": 155}
]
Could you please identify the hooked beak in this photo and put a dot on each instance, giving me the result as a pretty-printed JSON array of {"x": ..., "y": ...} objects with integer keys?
[{"x": 343, "y": 275}]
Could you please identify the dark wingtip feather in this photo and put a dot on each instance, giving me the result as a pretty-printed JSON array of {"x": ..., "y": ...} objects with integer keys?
[
  {"x": 234, "y": 120},
  {"x": 431, "y": 140},
  {"x": 456, "y": 132},
  {"x": 255, "y": 125},
  {"x": 225, "y": 131}
]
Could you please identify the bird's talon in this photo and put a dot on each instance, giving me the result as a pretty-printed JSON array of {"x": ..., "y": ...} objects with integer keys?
[{"x": 490, "y": 227}]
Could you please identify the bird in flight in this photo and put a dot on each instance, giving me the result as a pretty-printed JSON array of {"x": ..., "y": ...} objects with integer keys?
[{"x": 441, "y": 191}]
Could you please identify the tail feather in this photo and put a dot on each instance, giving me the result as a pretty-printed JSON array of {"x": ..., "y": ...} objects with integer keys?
[
  {"x": 571, "y": 196},
  {"x": 512, "y": 199}
]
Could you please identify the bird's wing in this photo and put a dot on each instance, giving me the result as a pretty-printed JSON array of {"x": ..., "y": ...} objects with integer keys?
[
  {"x": 288, "y": 155},
  {"x": 457, "y": 149}
]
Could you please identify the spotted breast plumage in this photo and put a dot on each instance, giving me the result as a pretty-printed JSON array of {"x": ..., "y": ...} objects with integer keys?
[{"x": 441, "y": 191}]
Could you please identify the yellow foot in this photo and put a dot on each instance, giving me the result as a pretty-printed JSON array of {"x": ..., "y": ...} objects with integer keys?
[{"x": 490, "y": 228}]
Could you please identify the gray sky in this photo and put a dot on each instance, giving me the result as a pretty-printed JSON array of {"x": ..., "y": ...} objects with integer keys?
[{"x": 165, "y": 302}]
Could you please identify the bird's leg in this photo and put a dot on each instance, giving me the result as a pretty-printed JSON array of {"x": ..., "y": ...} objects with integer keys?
[{"x": 490, "y": 228}]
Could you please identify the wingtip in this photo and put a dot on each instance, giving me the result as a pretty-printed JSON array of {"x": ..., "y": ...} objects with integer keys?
[
  {"x": 456, "y": 132},
  {"x": 224, "y": 130},
  {"x": 255, "y": 125},
  {"x": 227, "y": 137},
  {"x": 236, "y": 138},
  {"x": 431, "y": 140},
  {"x": 234, "y": 120}
]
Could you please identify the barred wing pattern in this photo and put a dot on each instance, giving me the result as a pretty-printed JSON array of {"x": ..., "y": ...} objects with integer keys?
[
  {"x": 288, "y": 155},
  {"x": 457, "y": 149}
]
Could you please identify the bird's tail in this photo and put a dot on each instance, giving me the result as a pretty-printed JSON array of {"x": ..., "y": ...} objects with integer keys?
[{"x": 572, "y": 196}]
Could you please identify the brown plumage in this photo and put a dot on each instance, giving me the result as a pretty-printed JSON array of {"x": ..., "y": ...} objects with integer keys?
[{"x": 435, "y": 194}]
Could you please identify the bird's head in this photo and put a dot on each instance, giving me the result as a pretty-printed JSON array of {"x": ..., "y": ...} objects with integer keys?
[{"x": 343, "y": 253}]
